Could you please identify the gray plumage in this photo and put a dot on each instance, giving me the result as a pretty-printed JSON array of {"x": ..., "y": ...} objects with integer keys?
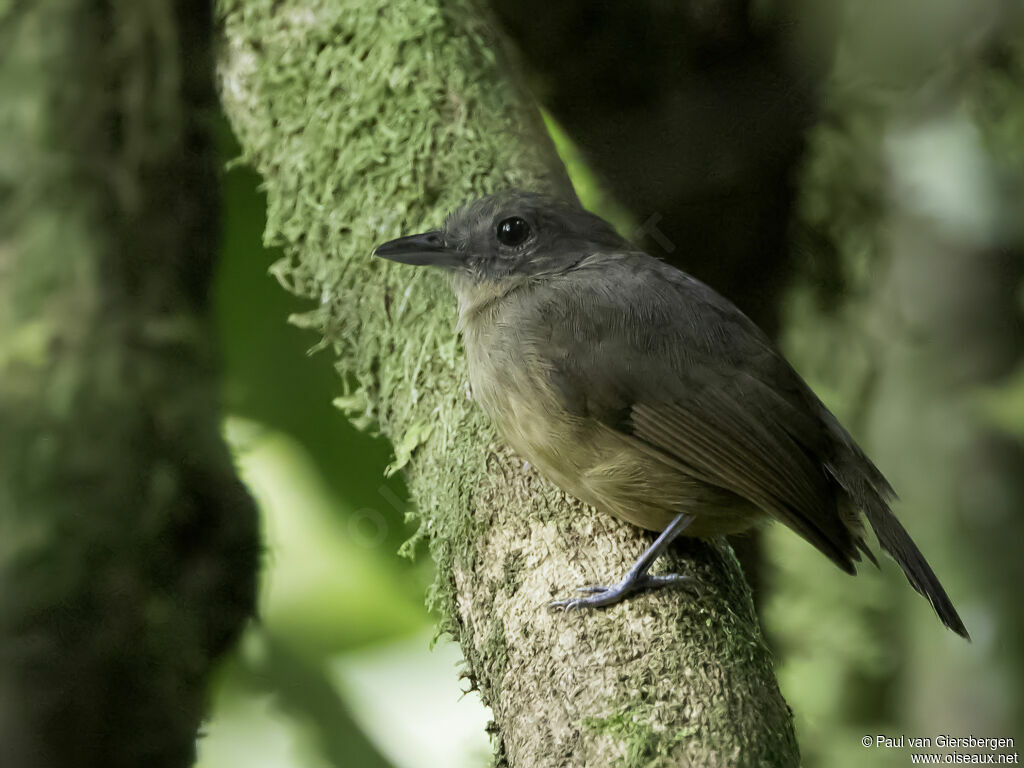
[{"x": 641, "y": 391}]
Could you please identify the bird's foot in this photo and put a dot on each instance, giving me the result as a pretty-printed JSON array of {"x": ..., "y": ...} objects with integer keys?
[{"x": 601, "y": 596}]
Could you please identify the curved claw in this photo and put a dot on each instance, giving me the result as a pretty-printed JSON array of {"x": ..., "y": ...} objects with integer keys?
[{"x": 600, "y": 596}]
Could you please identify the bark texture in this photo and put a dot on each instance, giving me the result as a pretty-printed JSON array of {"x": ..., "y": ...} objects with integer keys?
[
  {"x": 370, "y": 121},
  {"x": 129, "y": 550}
]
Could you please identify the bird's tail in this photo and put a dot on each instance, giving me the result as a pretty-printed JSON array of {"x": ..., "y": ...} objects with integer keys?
[
  {"x": 897, "y": 542},
  {"x": 870, "y": 492}
]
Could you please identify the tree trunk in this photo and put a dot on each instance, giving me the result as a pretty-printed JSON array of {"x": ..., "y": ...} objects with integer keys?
[
  {"x": 368, "y": 124},
  {"x": 129, "y": 549}
]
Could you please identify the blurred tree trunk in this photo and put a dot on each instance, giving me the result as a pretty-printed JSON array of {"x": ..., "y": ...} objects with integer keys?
[
  {"x": 129, "y": 550},
  {"x": 369, "y": 122}
]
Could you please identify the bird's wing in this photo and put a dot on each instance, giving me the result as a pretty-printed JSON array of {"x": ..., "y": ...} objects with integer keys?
[{"x": 658, "y": 356}]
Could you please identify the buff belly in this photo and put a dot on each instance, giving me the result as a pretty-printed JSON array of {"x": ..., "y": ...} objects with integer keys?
[{"x": 605, "y": 468}]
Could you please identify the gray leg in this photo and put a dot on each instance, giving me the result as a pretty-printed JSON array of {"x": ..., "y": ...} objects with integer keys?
[{"x": 636, "y": 579}]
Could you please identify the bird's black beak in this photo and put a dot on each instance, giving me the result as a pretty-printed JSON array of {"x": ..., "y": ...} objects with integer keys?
[{"x": 428, "y": 249}]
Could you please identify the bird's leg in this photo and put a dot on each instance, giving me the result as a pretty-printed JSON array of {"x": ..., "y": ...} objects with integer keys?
[{"x": 636, "y": 579}]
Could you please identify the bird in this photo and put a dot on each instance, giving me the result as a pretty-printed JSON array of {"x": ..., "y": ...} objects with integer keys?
[{"x": 643, "y": 392}]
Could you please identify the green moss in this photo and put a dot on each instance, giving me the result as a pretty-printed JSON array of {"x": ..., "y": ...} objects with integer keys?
[
  {"x": 512, "y": 572},
  {"x": 643, "y": 745},
  {"x": 496, "y": 651}
]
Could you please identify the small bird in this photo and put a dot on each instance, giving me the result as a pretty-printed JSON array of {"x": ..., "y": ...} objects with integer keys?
[{"x": 643, "y": 392}]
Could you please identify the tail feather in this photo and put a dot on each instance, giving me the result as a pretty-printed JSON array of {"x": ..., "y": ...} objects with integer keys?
[
  {"x": 895, "y": 540},
  {"x": 863, "y": 547},
  {"x": 868, "y": 490}
]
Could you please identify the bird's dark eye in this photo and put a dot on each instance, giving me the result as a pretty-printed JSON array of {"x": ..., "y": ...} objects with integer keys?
[{"x": 513, "y": 231}]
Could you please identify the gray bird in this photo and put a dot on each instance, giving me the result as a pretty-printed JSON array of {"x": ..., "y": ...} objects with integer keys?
[{"x": 641, "y": 391}]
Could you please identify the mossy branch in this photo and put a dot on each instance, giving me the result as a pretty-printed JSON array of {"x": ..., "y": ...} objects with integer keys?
[{"x": 367, "y": 121}]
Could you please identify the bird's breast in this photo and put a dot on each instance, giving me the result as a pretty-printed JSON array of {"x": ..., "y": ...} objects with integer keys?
[
  {"x": 511, "y": 381},
  {"x": 514, "y": 391}
]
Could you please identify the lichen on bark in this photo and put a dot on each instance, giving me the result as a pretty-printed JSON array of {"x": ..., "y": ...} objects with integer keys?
[{"x": 367, "y": 121}]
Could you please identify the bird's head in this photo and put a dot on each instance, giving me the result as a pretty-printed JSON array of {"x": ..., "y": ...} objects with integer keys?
[{"x": 501, "y": 240}]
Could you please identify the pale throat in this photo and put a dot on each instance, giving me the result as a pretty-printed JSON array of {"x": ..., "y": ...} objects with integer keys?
[{"x": 475, "y": 297}]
